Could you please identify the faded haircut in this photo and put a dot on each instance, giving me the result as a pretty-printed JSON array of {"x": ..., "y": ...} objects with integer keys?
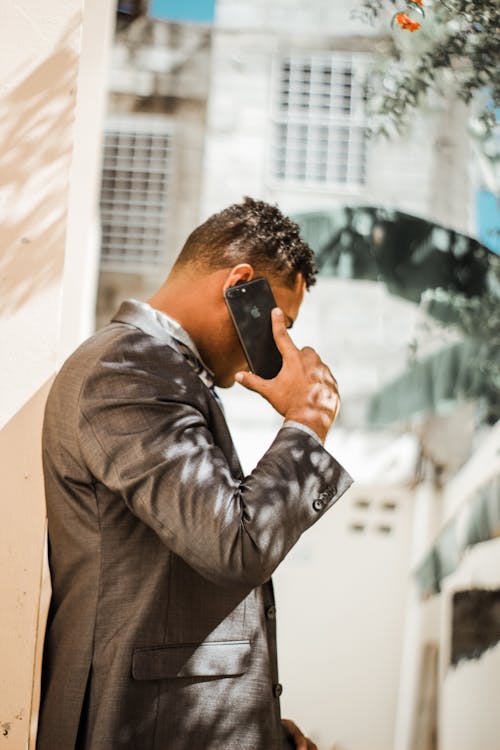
[{"x": 252, "y": 232}]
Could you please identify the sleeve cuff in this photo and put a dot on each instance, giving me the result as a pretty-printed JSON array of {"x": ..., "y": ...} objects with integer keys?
[{"x": 304, "y": 428}]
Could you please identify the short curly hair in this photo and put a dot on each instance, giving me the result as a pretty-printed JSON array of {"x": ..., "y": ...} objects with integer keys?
[{"x": 252, "y": 232}]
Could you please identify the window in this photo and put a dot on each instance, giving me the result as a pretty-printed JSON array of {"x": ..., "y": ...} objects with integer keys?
[
  {"x": 388, "y": 505},
  {"x": 362, "y": 504},
  {"x": 319, "y": 121},
  {"x": 375, "y": 515},
  {"x": 134, "y": 193}
]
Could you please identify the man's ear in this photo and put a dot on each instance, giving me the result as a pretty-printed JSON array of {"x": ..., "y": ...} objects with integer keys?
[{"x": 238, "y": 274}]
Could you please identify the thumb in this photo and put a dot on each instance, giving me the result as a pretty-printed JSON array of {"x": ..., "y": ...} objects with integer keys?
[{"x": 251, "y": 381}]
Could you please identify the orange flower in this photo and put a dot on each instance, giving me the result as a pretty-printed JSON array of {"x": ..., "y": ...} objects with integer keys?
[
  {"x": 417, "y": 2},
  {"x": 406, "y": 23}
]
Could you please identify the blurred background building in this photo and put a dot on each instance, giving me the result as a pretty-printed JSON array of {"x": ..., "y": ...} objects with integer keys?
[{"x": 388, "y": 609}]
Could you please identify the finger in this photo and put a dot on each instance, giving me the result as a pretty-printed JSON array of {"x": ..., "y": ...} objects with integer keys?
[
  {"x": 330, "y": 380},
  {"x": 281, "y": 335},
  {"x": 298, "y": 737},
  {"x": 251, "y": 381}
]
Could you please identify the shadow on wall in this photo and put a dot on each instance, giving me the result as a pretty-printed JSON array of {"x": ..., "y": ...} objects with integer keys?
[{"x": 36, "y": 136}]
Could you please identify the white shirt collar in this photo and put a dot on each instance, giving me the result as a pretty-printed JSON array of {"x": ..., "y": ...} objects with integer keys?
[{"x": 178, "y": 333}]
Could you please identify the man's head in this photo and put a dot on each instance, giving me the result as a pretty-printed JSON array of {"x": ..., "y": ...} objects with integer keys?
[
  {"x": 251, "y": 232},
  {"x": 244, "y": 241}
]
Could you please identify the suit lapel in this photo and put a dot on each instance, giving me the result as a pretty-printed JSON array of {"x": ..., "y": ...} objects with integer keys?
[{"x": 132, "y": 313}]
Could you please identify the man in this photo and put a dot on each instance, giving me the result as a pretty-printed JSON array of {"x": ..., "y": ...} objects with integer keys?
[{"x": 161, "y": 632}]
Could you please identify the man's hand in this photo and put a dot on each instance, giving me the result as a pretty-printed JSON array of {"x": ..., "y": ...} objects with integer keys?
[
  {"x": 295, "y": 737},
  {"x": 304, "y": 389}
]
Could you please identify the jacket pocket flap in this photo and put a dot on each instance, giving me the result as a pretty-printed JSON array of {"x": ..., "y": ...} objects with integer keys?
[{"x": 211, "y": 659}]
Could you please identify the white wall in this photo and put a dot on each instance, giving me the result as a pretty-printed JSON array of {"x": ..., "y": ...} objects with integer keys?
[
  {"x": 40, "y": 60},
  {"x": 83, "y": 239},
  {"x": 341, "y": 597}
]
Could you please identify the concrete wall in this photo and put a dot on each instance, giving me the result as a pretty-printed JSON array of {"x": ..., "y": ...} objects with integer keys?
[{"x": 42, "y": 84}]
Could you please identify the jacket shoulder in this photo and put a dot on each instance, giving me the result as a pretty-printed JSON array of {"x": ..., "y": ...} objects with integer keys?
[{"x": 121, "y": 361}]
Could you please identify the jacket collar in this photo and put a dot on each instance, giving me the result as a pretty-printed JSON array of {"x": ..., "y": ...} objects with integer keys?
[
  {"x": 138, "y": 315},
  {"x": 166, "y": 329}
]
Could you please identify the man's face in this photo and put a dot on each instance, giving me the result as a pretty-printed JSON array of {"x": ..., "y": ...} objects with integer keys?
[{"x": 229, "y": 357}]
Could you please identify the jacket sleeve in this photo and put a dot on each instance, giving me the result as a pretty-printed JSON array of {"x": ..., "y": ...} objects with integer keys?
[{"x": 148, "y": 441}]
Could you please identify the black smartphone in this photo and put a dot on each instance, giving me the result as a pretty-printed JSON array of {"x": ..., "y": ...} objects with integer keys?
[{"x": 250, "y": 304}]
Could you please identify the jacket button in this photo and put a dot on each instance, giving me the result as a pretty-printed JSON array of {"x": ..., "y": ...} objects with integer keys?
[
  {"x": 277, "y": 689},
  {"x": 271, "y": 612},
  {"x": 318, "y": 504}
]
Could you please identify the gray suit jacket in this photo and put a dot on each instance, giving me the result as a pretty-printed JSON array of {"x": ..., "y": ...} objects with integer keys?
[{"x": 161, "y": 631}]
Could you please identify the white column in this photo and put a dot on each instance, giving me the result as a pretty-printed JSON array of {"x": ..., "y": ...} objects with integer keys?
[
  {"x": 81, "y": 263},
  {"x": 41, "y": 70},
  {"x": 426, "y": 515}
]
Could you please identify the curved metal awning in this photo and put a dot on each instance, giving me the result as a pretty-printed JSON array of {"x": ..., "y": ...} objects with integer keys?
[
  {"x": 412, "y": 255},
  {"x": 434, "y": 384},
  {"x": 406, "y": 252}
]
